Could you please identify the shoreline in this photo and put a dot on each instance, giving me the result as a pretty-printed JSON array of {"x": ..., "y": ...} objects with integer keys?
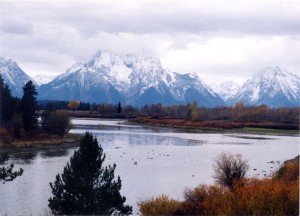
[
  {"x": 73, "y": 140},
  {"x": 213, "y": 126}
]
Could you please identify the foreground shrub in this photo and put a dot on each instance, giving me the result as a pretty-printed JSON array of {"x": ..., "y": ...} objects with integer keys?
[
  {"x": 289, "y": 171},
  {"x": 195, "y": 198},
  {"x": 229, "y": 168},
  {"x": 161, "y": 205},
  {"x": 276, "y": 196},
  {"x": 259, "y": 197}
]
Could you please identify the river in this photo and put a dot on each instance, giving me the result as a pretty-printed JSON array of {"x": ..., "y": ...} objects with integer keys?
[{"x": 150, "y": 161}]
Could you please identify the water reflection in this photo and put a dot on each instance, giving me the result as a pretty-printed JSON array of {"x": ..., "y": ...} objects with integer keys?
[
  {"x": 54, "y": 153},
  {"x": 163, "y": 157},
  {"x": 23, "y": 157}
]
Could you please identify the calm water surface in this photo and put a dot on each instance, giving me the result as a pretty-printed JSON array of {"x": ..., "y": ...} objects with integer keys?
[{"x": 150, "y": 162}]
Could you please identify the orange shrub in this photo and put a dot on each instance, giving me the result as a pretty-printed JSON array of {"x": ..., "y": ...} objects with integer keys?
[
  {"x": 161, "y": 205},
  {"x": 276, "y": 196},
  {"x": 289, "y": 171}
]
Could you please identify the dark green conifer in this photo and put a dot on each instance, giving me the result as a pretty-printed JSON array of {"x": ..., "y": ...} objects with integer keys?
[
  {"x": 119, "y": 109},
  {"x": 29, "y": 106},
  {"x": 5, "y": 103},
  {"x": 86, "y": 187},
  {"x": 7, "y": 173}
]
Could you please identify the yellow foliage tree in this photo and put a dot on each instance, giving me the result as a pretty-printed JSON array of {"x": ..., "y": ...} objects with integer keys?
[{"x": 73, "y": 105}]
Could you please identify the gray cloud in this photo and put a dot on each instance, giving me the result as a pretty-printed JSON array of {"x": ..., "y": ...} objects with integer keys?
[
  {"x": 159, "y": 16},
  {"x": 210, "y": 37}
]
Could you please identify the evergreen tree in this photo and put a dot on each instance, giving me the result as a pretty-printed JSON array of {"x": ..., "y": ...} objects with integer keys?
[
  {"x": 45, "y": 117},
  {"x": 119, "y": 109},
  {"x": 6, "y": 110},
  {"x": 86, "y": 187},
  {"x": 29, "y": 106},
  {"x": 7, "y": 173}
]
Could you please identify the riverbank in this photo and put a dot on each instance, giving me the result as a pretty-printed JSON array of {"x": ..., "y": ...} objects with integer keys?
[
  {"x": 220, "y": 126},
  {"x": 45, "y": 143}
]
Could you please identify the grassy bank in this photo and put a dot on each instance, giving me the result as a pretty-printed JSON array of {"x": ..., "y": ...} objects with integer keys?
[
  {"x": 242, "y": 127},
  {"x": 40, "y": 141},
  {"x": 266, "y": 131}
]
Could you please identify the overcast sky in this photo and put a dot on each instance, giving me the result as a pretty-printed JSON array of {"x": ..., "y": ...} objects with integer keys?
[{"x": 219, "y": 40}]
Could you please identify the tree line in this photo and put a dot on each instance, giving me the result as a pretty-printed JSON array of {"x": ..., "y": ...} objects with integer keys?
[
  {"x": 193, "y": 112},
  {"x": 237, "y": 113},
  {"x": 19, "y": 118}
]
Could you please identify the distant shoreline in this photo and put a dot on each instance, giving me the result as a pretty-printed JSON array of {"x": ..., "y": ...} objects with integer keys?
[
  {"x": 72, "y": 140},
  {"x": 219, "y": 126}
]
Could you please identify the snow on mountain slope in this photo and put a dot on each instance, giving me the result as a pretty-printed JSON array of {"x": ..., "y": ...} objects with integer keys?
[
  {"x": 14, "y": 76},
  {"x": 133, "y": 79},
  {"x": 227, "y": 90},
  {"x": 274, "y": 87},
  {"x": 189, "y": 87},
  {"x": 43, "y": 79}
]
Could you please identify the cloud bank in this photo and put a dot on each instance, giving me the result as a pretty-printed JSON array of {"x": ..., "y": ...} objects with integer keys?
[{"x": 216, "y": 39}]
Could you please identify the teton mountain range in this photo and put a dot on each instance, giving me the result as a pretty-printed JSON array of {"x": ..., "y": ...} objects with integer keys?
[{"x": 138, "y": 80}]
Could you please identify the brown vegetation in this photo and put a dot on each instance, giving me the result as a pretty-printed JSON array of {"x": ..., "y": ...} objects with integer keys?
[
  {"x": 218, "y": 124},
  {"x": 34, "y": 139},
  {"x": 276, "y": 196}
]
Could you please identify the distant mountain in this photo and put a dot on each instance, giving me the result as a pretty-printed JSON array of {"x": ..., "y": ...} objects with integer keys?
[
  {"x": 139, "y": 80},
  {"x": 227, "y": 90},
  {"x": 132, "y": 79},
  {"x": 14, "y": 76},
  {"x": 43, "y": 79},
  {"x": 274, "y": 87}
]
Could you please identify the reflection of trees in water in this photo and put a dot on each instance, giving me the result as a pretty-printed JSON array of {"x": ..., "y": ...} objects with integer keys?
[
  {"x": 3, "y": 158},
  {"x": 23, "y": 157},
  {"x": 54, "y": 153}
]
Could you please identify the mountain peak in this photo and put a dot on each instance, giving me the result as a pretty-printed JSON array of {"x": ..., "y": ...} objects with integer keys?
[
  {"x": 13, "y": 76},
  {"x": 227, "y": 90},
  {"x": 7, "y": 62},
  {"x": 130, "y": 78},
  {"x": 272, "y": 86}
]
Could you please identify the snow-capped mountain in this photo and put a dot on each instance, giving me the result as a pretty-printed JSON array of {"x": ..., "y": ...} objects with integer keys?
[
  {"x": 43, "y": 79},
  {"x": 189, "y": 87},
  {"x": 274, "y": 87},
  {"x": 133, "y": 79},
  {"x": 227, "y": 90},
  {"x": 13, "y": 76}
]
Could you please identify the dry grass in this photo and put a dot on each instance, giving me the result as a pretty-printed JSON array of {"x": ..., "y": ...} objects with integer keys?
[
  {"x": 276, "y": 196},
  {"x": 40, "y": 140},
  {"x": 216, "y": 124}
]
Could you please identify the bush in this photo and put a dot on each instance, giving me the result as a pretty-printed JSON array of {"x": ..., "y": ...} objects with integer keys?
[
  {"x": 195, "y": 198},
  {"x": 289, "y": 171},
  {"x": 276, "y": 196},
  {"x": 59, "y": 123},
  {"x": 15, "y": 125},
  {"x": 161, "y": 205},
  {"x": 229, "y": 168},
  {"x": 5, "y": 136}
]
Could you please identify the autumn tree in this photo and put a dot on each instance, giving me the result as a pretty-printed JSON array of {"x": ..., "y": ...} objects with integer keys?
[
  {"x": 86, "y": 187},
  {"x": 229, "y": 168},
  {"x": 73, "y": 105},
  {"x": 29, "y": 106}
]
